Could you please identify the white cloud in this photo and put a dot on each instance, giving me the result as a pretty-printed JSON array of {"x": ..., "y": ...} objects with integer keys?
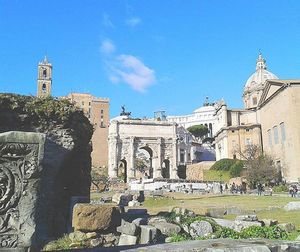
[
  {"x": 134, "y": 21},
  {"x": 107, "y": 46},
  {"x": 106, "y": 21},
  {"x": 132, "y": 71}
]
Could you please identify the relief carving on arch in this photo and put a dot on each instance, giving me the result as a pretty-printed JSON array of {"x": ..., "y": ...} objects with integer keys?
[{"x": 18, "y": 164}]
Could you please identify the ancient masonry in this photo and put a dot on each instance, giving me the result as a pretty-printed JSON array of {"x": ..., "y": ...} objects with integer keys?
[
  {"x": 158, "y": 138},
  {"x": 20, "y": 175}
]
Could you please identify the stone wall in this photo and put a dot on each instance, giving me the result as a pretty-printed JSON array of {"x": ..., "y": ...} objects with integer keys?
[
  {"x": 195, "y": 171},
  {"x": 66, "y": 162}
]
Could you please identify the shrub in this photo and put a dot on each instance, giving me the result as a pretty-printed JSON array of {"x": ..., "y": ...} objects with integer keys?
[
  {"x": 236, "y": 169},
  {"x": 264, "y": 232},
  {"x": 226, "y": 232},
  {"x": 223, "y": 164},
  {"x": 280, "y": 188},
  {"x": 179, "y": 237}
]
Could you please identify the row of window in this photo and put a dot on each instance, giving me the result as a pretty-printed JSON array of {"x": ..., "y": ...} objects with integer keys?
[{"x": 275, "y": 136}]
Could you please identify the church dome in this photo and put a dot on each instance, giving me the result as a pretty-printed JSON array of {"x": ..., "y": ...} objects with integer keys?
[
  {"x": 204, "y": 109},
  {"x": 260, "y": 76}
]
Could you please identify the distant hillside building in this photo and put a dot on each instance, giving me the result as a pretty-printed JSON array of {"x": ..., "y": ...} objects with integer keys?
[
  {"x": 97, "y": 110},
  {"x": 44, "y": 80}
]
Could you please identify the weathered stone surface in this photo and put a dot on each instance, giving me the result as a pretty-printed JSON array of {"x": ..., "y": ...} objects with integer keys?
[
  {"x": 122, "y": 199},
  {"x": 148, "y": 234},
  {"x": 21, "y": 156},
  {"x": 222, "y": 245},
  {"x": 110, "y": 239},
  {"x": 249, "y": 217},
  {"x": 269, "y": 222},
  {"x": 140, "y": 221},
  {"x": 96, "y": 242},
  {"x": 166, "y": 228},
  {"x": 128, "y": 228},
  {"x": 33, "y": 200},
  {"x": 200, "y": 229},
  {"x": 224, "y": 222},
  {"x": 240, "y": 225},
  {"x": 91, "y": 235},
  {"x": 153, "y": 220},
  {"x": 127, "y": 240},
  {"x": 88, "y": 217},
  {"x": 183, "y": 211},
  {"x": 288, "y": 227},
  {"x": 134, "y": 203},
  {"x": 291, "y": 206}
]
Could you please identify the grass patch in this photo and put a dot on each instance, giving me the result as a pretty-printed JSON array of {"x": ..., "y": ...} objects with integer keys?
[
  {"x": 213, "y": 175},
  {"x": 59, "y": 244}
]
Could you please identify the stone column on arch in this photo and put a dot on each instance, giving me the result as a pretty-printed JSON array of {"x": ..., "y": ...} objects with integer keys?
[
  {"x": 113, "y": 157},
  {"x": 131, "y": 168},
  {"x": 157, "y": 168},
  {"x": 173, "y": 168}
]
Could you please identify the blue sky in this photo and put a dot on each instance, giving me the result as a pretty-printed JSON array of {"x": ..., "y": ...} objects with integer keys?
[{"x": 149, "y": 55}]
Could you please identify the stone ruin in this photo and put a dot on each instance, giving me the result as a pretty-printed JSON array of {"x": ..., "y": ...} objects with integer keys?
[{"x": 44, "y": 162}]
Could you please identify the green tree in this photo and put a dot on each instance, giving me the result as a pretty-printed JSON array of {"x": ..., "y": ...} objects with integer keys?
[
  {"x": 198, "y": 130},
  {"x": 140, "y": 164}
]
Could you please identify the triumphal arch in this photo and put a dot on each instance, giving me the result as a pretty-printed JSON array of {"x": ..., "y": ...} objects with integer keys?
[{"x": 130, "y": 139}]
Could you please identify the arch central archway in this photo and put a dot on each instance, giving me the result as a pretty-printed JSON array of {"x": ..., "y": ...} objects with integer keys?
[{"x": 149, "y": 156}]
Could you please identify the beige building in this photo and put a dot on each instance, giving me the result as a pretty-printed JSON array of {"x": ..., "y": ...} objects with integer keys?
[
  {"x": 278, "y": 114},
  {"x": 97, "y": 110},
  {"x": 270, "y": 120}
]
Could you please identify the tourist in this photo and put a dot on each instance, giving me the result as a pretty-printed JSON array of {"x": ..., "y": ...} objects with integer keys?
[
  {"x": 221, "y": 189},
  {"x": 271, "y": 191},
  {"x": 291, "y": 191},
  {"x": 259, "y": 189},
  {"x": 295, "y": 190}
]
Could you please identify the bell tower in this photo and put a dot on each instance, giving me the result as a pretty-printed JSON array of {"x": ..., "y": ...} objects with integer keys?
[{"x": 44, "y": 81}]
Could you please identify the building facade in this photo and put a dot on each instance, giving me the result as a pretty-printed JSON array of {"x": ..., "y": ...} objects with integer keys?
[
  {"x": 97, "y": 111},
  {"x": 269, "y": 120}
]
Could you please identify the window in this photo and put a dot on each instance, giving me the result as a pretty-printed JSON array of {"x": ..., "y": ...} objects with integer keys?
[
  {"x": 181, "y": 156},
  {"x": 270, "y": 137},
  {"x": 44, "y": 72},
  {"x": 102, "y": 124},
  {"x": 102, "y": 117},
  {"x": 89, "y": 103},
  {"x": 232, "y": 131},
  {"x": 44, "y": 88},
  {"x": 247, "y": 130},
  {"x": 282, "y": 129},
  {"x": 248, "y": 141},
  {"x": 254, "y": 101},
  {"x": 82, "y": 103},
  {"x": 101, "y": 111},
  {"x": 275, "y": 131}
]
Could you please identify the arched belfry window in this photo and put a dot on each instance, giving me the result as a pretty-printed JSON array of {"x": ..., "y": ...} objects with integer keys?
[
  {"x": 44, "y": 72},
  {"x": 44, "y": 88}
]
